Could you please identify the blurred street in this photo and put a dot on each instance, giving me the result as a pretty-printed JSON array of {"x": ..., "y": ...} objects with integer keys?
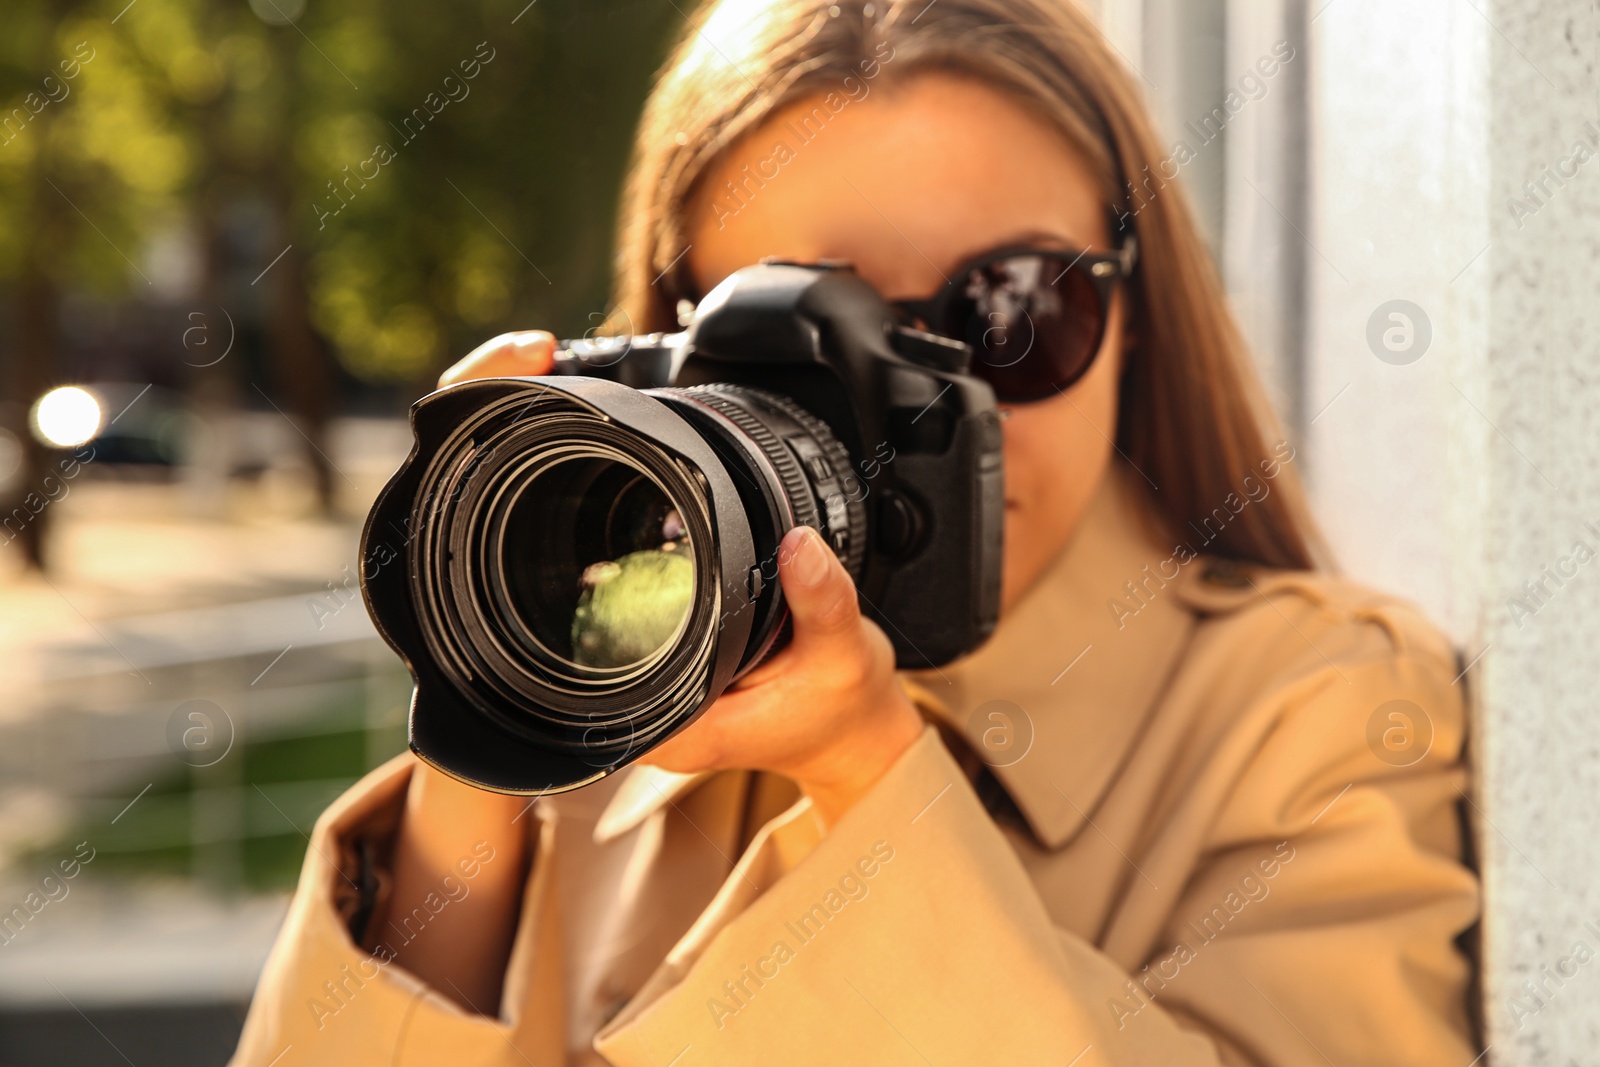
[
  {"x": 160, "y": 600},
  {"x": 237, "y": 241}
]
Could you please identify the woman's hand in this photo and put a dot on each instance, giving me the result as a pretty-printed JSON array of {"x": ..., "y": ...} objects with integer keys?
[
  {"x": 525, "y": 353},
  {"x": 828, "y": 711}
]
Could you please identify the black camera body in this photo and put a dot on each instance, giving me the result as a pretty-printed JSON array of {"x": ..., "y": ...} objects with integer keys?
[
  {"x": 923, "y": 437},
  {"x": 575, "y": 566}
]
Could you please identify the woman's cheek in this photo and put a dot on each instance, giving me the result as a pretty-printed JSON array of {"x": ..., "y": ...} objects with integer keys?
[{"x": 1054, "y": 461}]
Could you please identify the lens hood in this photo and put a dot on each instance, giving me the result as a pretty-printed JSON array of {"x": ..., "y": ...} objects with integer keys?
[{"x": 503, "y": 698}]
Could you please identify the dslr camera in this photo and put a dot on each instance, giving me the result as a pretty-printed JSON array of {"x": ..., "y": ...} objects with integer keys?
[{"x": 575, "y": 566}]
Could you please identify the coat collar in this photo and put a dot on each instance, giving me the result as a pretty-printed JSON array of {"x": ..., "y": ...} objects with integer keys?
[
  {"x": 644, "y": 789},
  {"x": 1074, "y": 677},
  {"x": 1057, "y": 697}
]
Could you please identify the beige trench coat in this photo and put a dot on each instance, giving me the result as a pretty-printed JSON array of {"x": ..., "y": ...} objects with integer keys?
[{"x": 1216, "y": 821}]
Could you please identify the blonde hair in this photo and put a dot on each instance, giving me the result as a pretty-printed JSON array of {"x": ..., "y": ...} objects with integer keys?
[{"x": 1191, "y": 416}]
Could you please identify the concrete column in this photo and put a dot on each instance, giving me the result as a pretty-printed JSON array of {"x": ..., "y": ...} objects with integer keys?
[
  {"x": 1540, "y": 686},
  {"x": 1183, "y": 55}
]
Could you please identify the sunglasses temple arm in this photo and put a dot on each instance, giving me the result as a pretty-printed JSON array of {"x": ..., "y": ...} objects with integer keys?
[{"x": 1128, "y": 255}]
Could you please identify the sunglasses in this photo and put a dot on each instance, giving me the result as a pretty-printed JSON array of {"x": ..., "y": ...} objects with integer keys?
[{"x": 1035, "y": 318}]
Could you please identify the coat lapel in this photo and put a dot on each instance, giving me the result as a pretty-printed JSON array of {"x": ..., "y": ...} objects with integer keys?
[
  {"x": 643, "y": 791},
  {"x": 1055, "y": 699}
]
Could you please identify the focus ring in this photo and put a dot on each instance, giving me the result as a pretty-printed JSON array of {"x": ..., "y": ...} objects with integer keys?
[
  {"x": 795, "y": 487},
  {"x": 839, "y": 458}
]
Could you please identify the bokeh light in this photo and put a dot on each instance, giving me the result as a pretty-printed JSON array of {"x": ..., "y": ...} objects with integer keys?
[{"x": 66, "y": 417}]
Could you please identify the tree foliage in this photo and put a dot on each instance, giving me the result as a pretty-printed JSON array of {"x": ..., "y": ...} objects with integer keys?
[{"x": 445, "y": 172}]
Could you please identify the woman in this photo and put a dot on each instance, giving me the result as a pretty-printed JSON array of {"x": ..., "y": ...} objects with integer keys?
[{"x": 1194, "y": 802}]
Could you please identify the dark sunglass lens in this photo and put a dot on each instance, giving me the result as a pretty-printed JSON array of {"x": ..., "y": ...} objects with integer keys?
[{"x": 1034, "y": 323}]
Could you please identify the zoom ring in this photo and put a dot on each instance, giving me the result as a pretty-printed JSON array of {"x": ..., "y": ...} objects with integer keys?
[
  {"x": 725, "y": 401},
  {"x": 838, "y": 458},
  {"x": 839, "y": 514}
]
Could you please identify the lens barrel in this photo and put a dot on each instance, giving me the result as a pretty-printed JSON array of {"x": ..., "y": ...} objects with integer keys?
[{"x": 587, "y": 566}]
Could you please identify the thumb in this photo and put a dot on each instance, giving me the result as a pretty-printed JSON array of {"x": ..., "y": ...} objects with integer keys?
[{"x": 821, "y": 596}]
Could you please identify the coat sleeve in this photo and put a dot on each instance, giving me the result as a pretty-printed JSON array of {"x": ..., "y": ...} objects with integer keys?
[
  {"x": 1323, "y": 921},
  {"x": 322, "y": 999},
  {"x": 911, "y": 933}
]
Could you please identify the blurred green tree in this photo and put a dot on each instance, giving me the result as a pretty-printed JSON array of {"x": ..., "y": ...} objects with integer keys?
[
  {"x": 91, "y": 155},
  {"x": 421, "y": 178},
  {"x": 459, "y": 172}
]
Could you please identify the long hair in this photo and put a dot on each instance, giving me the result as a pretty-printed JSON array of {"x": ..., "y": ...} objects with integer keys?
[{"x": 1191, "y": 411}]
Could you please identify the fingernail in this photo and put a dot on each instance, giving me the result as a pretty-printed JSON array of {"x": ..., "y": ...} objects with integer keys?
[{"x": 811, "y": 561}]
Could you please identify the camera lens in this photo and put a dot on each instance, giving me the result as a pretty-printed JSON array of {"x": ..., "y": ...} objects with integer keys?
[{"x": 590, "y": 565}]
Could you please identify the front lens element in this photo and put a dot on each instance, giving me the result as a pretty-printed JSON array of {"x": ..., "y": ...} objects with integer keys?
[
  {"x": 570, "y": 564},
  {"x": 597, "y": 562}
]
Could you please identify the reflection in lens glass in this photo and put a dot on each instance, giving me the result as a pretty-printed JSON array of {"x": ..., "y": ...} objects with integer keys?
[
  {"x": 600, "y": 563},
  {"x": 631, "y": 606},
  {"x": 1034, "y": 322}
]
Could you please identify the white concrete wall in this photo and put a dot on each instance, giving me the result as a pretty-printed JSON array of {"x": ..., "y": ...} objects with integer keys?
[
  {"x": 1399, "y": 206},
  {"x": 1457, "y": 474}
]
